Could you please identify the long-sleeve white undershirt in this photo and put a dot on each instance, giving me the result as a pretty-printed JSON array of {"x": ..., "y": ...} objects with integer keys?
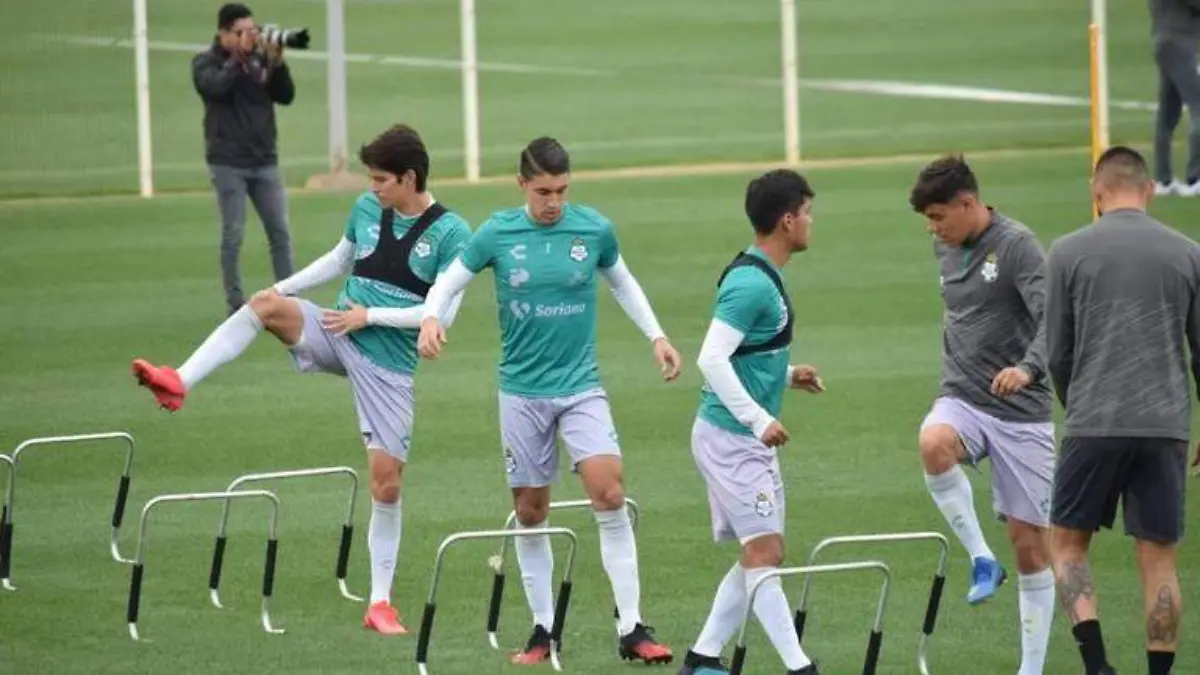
[{"x": 719, "y": 344}]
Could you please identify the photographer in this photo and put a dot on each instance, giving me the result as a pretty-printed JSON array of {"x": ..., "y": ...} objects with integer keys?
[{"x": 240, "y": 79}]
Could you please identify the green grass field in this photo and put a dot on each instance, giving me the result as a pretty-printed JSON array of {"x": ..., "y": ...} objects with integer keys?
[{"x": 90, "y": 285}]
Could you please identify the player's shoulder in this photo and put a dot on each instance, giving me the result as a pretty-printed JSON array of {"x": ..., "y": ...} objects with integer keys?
[
  {"x": 506, "y": 219},
  {"x": 368, "y": 203},
  {"x": 1016, "y": 235},
  {"x": 452, "y": 221},
  {"x": 585, "y": 216},
  {"x": 747, "y": 278}
]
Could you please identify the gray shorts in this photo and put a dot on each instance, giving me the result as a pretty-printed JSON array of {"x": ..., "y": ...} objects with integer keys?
[
  {"x": 1022, "y": 455},
  {"x": 383, "y": 398},
  {"x": 745, "y": 489},
  {"x": 529, "y": 427}
]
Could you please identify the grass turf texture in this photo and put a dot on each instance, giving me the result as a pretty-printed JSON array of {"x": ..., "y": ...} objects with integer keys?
[
  {"x": 670, "y": 81},
  {"x": 89, "y": 287}
]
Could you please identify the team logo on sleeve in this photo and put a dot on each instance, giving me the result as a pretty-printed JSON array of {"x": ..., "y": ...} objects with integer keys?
[
  {"x": 579, "y": 251},
  {"x": 423, "y": 248},
  {"x": 990, "y": 270},
  {"x": 763, "y": 505}
]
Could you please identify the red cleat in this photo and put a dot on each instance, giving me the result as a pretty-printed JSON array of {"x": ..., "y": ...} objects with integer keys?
[
  {"x": 640, "y": 645},
  {"x": 536, "y": 650},
  {"x": 384, "y": 619},
  {"x": 163, "y": 381}
]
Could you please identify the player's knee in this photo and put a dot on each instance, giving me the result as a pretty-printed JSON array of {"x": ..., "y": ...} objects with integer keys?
[
  {"x": 267, "y": 307},
  {"x": 610, "y": 497},
  {"x": 1031, "y": 547},
  {"x": 386, "y": 491},
  {"x": 765, "y": 551},
  {"x": 939, "y": 447},
  {"x": 532, "y": 513}
]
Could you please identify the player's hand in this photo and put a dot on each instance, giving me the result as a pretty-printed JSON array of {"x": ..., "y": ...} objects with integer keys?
[
  {"x": 805, "y": 377},
  {"x": 432, "y": 338},
  {"x": 668, "y": 359},
  {"x": 346, "y": 321},
  {"x": 775, "y": 435},
  {"x": 1010, "y": 381}
]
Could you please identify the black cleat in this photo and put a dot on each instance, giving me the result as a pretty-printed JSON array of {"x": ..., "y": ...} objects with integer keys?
[
  {"x": 640, "y": 645},
  {"x": 810, "y": 669},
  {"x": 536, "y": 650},
  {"x": 698, "y": 664}
]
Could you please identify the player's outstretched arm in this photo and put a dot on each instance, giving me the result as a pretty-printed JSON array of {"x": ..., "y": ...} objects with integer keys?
[
  {"x": 1059, "y": 325},
  {"x": 444, "y": 296},
  {"x": 334, "y": 264},
  {"x": 632, "y": 299},
  {"x": 719, "y": 344}
]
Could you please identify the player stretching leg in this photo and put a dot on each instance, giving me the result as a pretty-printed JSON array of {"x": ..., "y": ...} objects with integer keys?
[
  {"x": 545, "y": 256},
  {"x": 736, "y": 434},
  {"x": 995, "y": 398},
  {"x": 396, "y": 241}
]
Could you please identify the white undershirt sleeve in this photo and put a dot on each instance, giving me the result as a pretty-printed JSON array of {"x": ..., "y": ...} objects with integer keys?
[
  {"x": 632, "y": 299},
  {"x": 719, "y": 344},
  {"x": 328, "y": 267},
  {"x": 443, "y": 299}
]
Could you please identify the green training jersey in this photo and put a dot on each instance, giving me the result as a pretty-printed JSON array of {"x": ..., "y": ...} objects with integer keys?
[
  {"x": 545, "y": 278},
  {"x": 748, "y": 301},
  {"x": 395, "y": 348}
]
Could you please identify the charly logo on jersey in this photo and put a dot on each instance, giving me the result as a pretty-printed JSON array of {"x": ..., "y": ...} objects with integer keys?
[
  {"x": 517, "y": 252},
  {"x": 763, "y": 505},
  {"x": 423, "y": 248},
  {"x": 990, "y": 271},
  {"x": 517, "y": 277},
  {"x": 579, "y": 251}
]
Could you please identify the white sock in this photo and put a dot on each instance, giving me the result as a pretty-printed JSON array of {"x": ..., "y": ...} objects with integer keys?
[
  {"x": 225, "y": 344},
  {"x": 383, "y": 541},
  {"x": 618, "y": 551},
  {"x": 775, "y": 616},
  {"x": 536, "y": 560},
  {"x": 1037, "y": 613},
  {"x": 952, "y": 493},
  {"x": 726, "y": 615}
]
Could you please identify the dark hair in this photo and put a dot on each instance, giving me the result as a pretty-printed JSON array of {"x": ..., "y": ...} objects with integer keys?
[
  {"x": 544, "y": 156},
  {"x": 231, "y": 12},
  {"x": 941, "y": 181},
  {"x": 398, "y": 150},
  {"x": 773, "y": 195},
  {"x": 1122, "y": 167}
]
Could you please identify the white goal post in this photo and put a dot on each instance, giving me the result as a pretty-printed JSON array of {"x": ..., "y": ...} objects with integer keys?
[{"x": 469, "y": 68}]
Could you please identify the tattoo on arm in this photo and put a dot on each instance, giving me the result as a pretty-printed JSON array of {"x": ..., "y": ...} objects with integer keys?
[
  {"x": 1075, "y": 584},
  {"x": 1162, "y": 622}
]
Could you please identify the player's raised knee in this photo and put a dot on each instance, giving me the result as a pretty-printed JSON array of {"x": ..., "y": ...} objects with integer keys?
[
  {"x": 939, "y": 447},
  {"x": 763, "y": 551}
]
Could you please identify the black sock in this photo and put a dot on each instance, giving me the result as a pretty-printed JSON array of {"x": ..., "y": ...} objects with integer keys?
[
  {"x": 1160, "y": 662},
  {"x": 1091, "y": 645}
]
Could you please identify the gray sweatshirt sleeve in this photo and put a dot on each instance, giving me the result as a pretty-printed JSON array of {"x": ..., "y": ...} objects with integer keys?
[
  {"x": 1030, "y": 281},
  {"x": 1059, "y": 324},
  {"x": 1193, "y": 328}
]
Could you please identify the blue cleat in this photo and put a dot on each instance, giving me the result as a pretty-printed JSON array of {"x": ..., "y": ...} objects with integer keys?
[
  {"x": 695, "y": 664},
  {"x": 987, "y": 576}
]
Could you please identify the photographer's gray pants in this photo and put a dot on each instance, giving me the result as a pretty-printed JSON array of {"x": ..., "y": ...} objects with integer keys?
[
  {"x": 265, "y": 188},
  {"x": 1178, "y": 86}
]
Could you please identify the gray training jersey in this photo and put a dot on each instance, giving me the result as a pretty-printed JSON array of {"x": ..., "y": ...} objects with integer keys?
[
  {"x": 1173, "y": 20},
  {"x": 1122, "y": 313},
  {"x": 994, "y": 292}
]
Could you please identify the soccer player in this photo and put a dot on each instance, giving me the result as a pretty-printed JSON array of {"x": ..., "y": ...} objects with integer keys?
[
  {"x": 546, "y": 256},
  {"x": 396, "y": 241},
  {"x": 995, "y": 400},
  {"x": 736, "y": 434},
  {"x": 1123, "y": 311}
]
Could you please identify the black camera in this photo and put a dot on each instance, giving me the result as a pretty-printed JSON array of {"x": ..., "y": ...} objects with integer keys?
[{"x": 292, "y": 38}]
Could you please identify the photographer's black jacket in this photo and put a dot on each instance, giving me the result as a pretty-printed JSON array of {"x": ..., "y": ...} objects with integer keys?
[{"x": 239, "y": 108}]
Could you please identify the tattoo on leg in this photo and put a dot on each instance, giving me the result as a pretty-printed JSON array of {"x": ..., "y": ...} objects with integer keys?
[
  {"x": 1162, "y": 623},
  {"x": 1074, "y": 584}
]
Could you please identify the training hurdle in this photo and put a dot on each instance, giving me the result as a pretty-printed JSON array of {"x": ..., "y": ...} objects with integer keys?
[
  {"x": 343, "y": 558},
  {"x": 560, "y": 607},
  {"x": 935, "y": 591},
  {"x": 118, "y": 513},
  {"x": 498, "y": 562},
  {"x": 874, "y": 644},
  {"x": 268, "y": 584}
]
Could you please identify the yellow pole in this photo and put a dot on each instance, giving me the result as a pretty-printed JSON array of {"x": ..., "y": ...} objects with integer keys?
[{"x": 1094, "y": 36}]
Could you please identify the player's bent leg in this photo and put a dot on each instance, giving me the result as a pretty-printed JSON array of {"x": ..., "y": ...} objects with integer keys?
[
  {"x": 942, "y": 452},
  {"x": 603, "y": 482},
  {"x": 535, "y": 558},
  {"x": 1164, "y": 603},
  {"x": 383, "y": 541},
  {"x": 762, "y": 555},
  {"x": 1036, "y": 592}
]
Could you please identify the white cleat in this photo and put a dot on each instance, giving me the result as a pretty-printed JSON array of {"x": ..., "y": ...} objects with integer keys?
[{"x": 1175, "y": 187}]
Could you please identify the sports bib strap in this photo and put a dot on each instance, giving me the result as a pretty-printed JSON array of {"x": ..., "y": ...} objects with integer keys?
[
  {"x": 784, "y": 337},
  {"x": 389, "y": 261}
]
